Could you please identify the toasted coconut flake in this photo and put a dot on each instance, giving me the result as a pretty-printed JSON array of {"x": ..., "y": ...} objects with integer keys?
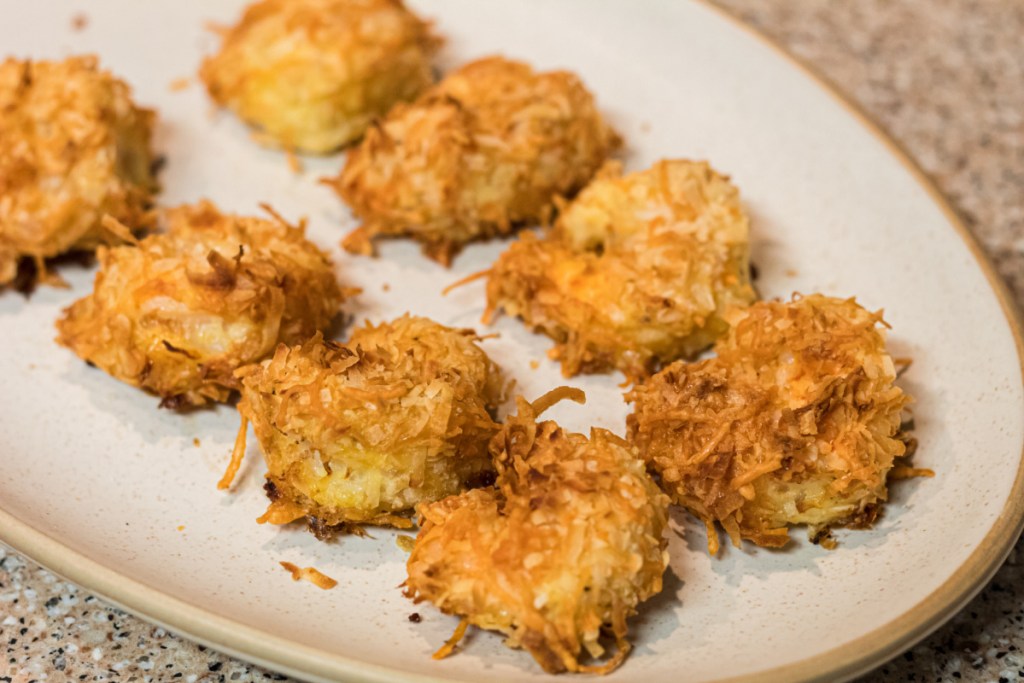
[
  {"x": 180, "y": 311},
  {"x": 557, "y": 395},
  {"x": 559, "y": 553},
  {"x": 903, "y": 472},
  {"x": 294, "y": 164},
  {"x": 484, "y": 151},
  {"x": 311, "y": 574},
  {"x": 361, "y": 433},
  {"x": 473, "y": 277},
  {"x": 638, "y": 271},
  {"x": 73, "y": 148},
  {"x": 797, "y": 421},
  {"x": 313, "y": 74},
  {"x": 281, "y": 512},
  {"x": 118, "y": 229},
  {"x": 237, "y": 455},
  {"x": 449, "y": 646}
]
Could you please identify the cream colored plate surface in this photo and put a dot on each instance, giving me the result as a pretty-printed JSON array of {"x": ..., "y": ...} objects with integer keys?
[{"x": 95, "y": 481}]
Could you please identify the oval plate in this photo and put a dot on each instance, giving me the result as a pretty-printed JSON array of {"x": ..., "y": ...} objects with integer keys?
[{"x": 103, "y": 488}]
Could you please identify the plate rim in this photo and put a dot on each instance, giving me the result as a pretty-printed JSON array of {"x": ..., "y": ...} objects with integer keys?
[
  {"x": 884, "y": 642},
  {"x": 844, "y": 662}
]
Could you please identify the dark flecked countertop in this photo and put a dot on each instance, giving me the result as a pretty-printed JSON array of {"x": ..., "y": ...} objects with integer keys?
[{"x": 946, "y": 79}]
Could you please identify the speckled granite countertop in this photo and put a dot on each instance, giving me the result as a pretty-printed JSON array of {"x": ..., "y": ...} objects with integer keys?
[{"x": 946, "y": 78}]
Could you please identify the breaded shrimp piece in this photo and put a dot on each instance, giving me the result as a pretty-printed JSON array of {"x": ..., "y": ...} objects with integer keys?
[
  {"x": 485, "y": 150},
  {"x": 559, "y": 552},
  {"x": 179, "y": 312},
  {"x": 311, "y": 75},
  {"x": 637, "y": 271},
  {"x": 797, "y": 421},
  {"x": 73, "y": 147},
  {"x": 360, "y": 433}
]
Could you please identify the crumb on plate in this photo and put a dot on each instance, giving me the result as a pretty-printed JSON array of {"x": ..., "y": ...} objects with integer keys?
[{"x": 311, "y": 574}]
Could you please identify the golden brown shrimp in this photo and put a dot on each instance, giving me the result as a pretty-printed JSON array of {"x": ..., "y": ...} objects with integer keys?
[
  {"x": 639, "y": 270},
  {"x": 797, "y": 421},
  {"x": 178, "y": 312},
  {"x": 484, "y": 151},
  {"x": 73, "y": 148},
  {"x": 559, "y": 552}
]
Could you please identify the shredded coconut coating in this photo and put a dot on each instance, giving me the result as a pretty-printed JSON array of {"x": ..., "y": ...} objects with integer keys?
[
  {"x": 361, "y": 433},
  {"x": 796, "y": 421},
  {"x": 638, "y": 271},
  {"x": 180, "y": 311},
  {"x": 484, "y": 151},
  {"x": 311, "y": 75},
  {"x": 73, "y": 147},
  {"x": 559, "y": 552}
]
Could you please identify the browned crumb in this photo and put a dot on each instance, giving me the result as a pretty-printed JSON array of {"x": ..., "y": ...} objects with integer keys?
[
  {"x": 196, "y": 442},
  {"x": 558, "y": 554},
  {"x": 904, "y": 472},
  {"x": 638, "y": 270},
  {"x": 216, "y": 28},
  {"x": 80, "y": 21},
  {"x": 313, "y": 74},
  {"x": 181, "y": 527},
  {"x": 534, "y": 364},
  {"x": 179, "y": 84},
  {"x": 294, "y": 163},
  {"x": 449, "y": 646},
  {"x": 180, "y": 311},
  {"x": 235, "y": 463},
  {"x": 386, "y": 287},
  {"x": 311, "y": 574},
  {"x": 75, "y": 148}
]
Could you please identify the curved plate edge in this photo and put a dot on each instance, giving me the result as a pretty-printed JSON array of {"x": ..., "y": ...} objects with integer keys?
[
  {"x": 191, "y": 621},
  {"x": 863, "y": 654}
]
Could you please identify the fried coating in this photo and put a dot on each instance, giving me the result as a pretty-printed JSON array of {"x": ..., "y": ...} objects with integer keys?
[
  {"x": 73, "y": 147},
  {"x": 637, "y": 271},
  {"x": 563, "y": 548},
  {"x": 796, "y": 421},
  {"x": 179, "y": 312},
  {"x": 485, "y": 150},
  {"x": 361, "y": 433},
  {"x": 311, "y": 75}
]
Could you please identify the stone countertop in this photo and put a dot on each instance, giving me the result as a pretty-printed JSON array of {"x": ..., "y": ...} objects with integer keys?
[{"x": 946, "y": 79}]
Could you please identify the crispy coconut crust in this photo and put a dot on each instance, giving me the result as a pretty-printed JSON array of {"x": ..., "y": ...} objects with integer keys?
[
  {"x": 639, "y": 270},
  {"x": 797, "y": 421},
  {"x": 485, "y": 150},
  {"x": 561, "y": 550},
  {"x": 313, "y": 74},
  {"x": 179, "y": 312},
  {"x": 73, "y": 147},
  {"x": 361, "y": 433}
]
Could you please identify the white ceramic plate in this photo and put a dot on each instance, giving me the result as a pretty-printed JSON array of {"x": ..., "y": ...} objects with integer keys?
[{"x": 104, "y": 488}]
